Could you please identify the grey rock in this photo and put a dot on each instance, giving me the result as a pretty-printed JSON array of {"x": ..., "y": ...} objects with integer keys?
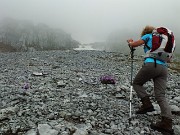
[
  {"x": 177, "y": 99},
  {"x": 45, "y": 129},
  {"x": 31, "y": 132},
  {"x": 176, "y": 129},
  {"x": 175, "y": 108},
  {"x": 7, "y": 112}
]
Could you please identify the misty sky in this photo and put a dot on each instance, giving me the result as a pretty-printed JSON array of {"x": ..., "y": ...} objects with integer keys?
[{"x": 93, "y": 20}]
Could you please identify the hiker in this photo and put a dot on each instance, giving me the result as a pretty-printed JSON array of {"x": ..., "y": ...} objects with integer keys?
[{"x": 157, "y": 71}]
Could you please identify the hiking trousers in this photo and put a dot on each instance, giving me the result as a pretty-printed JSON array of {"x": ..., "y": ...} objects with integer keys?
[{"x": 159, "y": 76}]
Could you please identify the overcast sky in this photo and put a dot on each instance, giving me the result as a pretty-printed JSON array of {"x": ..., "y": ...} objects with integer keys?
[{"x": 92, "y": 20}]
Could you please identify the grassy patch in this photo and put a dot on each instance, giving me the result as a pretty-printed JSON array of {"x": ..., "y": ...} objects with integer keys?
[
  {"x": 175, "y": 65},
  {"x": 6, "y": 48}
]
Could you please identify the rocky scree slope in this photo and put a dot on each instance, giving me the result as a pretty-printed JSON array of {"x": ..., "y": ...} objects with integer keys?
[{"x": 59, "y": 93}]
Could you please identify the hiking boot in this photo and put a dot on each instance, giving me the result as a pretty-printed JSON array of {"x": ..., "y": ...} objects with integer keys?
[
  {"x": 164, "y": 126},
  {"x": 146, "y": 106}
]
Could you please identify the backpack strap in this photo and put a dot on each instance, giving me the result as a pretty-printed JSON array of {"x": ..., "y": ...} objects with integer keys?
[
  {"x": 150, "y": 49},
  {"x": 147, "y": 46},
  {"x": 155, "y": 64}
]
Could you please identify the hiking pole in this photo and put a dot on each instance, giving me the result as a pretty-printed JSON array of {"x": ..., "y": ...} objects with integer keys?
[{"x": 132, "y": 56}]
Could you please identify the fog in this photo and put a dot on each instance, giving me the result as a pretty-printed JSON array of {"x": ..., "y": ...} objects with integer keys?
[{"x": 93, "y": 20}]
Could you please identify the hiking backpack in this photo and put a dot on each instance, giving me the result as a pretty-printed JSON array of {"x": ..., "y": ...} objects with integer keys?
[{"x": 163, "y": 44}]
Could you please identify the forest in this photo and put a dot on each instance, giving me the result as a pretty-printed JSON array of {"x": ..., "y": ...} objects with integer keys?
[{"x": 23, "y": 35}]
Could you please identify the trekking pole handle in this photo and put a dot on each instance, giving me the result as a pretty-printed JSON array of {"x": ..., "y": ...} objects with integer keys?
[{"x": 132, "y": 50}]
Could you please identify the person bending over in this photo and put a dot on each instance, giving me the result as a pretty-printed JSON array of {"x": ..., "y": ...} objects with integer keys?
[{"x": 158, "y": 74}]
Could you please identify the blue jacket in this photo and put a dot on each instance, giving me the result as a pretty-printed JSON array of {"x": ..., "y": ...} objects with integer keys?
[{"x": 148, "y": 40}]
